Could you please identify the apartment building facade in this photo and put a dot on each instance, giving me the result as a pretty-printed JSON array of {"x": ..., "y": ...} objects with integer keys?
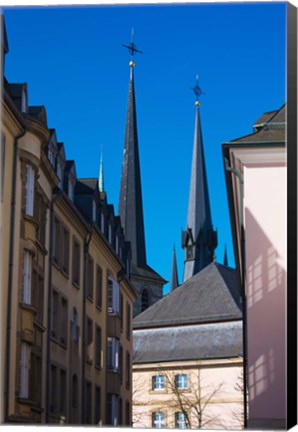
[{"x": 67, "y": 300}]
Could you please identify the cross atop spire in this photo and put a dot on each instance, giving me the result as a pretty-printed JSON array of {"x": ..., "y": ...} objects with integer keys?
[
  {"x": 197, "y": 90},
  {"x": 132, "y": 48}
]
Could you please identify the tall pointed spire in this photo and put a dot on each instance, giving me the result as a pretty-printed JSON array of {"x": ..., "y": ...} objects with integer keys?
[
  {"x": 101, "y": 174},
  {"x": 174, "y": 281},
  {"x": 199, "y": 240},
  {"x": 130, "y": 200}
]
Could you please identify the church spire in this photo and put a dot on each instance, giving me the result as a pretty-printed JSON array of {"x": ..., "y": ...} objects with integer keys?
[
  {"x": 199, "y": 240},
  {"x": 174, "y": 281},
  {"x": 130, "y": 200},
  {"x": 101, "y": 174}
]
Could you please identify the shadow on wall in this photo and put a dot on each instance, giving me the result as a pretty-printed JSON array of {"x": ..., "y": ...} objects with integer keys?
[{"x": 266, "y": 302}]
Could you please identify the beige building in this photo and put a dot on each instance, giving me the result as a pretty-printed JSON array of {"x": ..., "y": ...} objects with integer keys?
[
  {"x": 67, "y": 301},
  {"x": 187, "y": 365}
]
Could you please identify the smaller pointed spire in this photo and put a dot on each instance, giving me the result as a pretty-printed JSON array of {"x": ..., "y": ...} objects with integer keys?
[
  {"x": 101, "y": 174},
  {"x": 174, "y": 282},
  {"x": 225, "y": 257}
]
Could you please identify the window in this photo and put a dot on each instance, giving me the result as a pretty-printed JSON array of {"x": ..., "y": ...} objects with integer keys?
[
  {"x": 63, "y": 321},
  {"x": 181, "y": 381},
  {"x": 70, "y": 189},
  {"x": 59, "y": 318},
  {"x": 89, "y": 340},
  {"x": 112, "y": 409},
  {"x": 98, "y": 348},
  {"x": 26, "y": 280},
  {"x": 113, "y": 297},
  {"x": 24, "y": 370},
  {"x": 158, "y": 420},
  {"x": 145, "y": 299},
  {"x": 158, "y": 382},
  {"x": 51, "y": 155},
  {"x": 121, "y": 363},
  {"x": 57, "y": 241},
  {"x": 37, "y": 292},
  {"x": 29, "y": 202},
  {"x": 102, "y": 222},
  {"x": 113, "y": 354},
  {"x": 180, "y": 420},
  {"x": 54, "y": 383},
  {"x": 128, "y": 320},
  {"x": 88, "y": 402},
  {"x": 128, "y": 366},
  {"x": 117, "y": 244},
  {"x": 89, "y": 277},
  {"x": 110, "y": 234},
  {"x": 35, "y": 378},
  {"x": 59, "y": 174},
  {"x": 74, "y": 393},
  {"x": 65, "y": 250},
  {"x": 97, "y": 416},
  {"x": 121, "y": 311},
  {"x": 40, "y": 213},
  {"x": 62, "y": 409},
  {"x": 94, "y": 218},
  {"x": 74, "y": 326},
  {"x": 127, "y": 413},
  {"x": 76, "y": 263},
  {"x": 55, "y": 314},
  {"x": 98, "y": 286}
]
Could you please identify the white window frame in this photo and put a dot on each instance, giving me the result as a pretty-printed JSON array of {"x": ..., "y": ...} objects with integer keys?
[
  {"x": 24, "y": 370},
  {"x": 26, "y": 279},
  {"x": 158, "y": 382},
  {"x": 30, "y": 179},
  {"x": 182, "y": 381},
  {"x": 158, "y": 420}
]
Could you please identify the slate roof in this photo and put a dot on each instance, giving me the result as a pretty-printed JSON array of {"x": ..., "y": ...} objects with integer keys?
[
  {"x": 270, "y": 128},
  {"x": 146, "y": 272},
  {"x": 192, "y": 342},
  {"x": 85, "y": 186},
  {"x": 209, "y": 296}
]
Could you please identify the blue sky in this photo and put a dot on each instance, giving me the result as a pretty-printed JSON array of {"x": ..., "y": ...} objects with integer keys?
[{"x": 74, "y": 64}]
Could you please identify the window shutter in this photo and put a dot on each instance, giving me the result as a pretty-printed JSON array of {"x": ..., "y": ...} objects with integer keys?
[{"x": 27, "y": 267}]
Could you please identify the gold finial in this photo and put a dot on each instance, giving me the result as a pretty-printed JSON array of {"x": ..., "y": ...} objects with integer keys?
[
  {"x": 132, "y": 64},
  {"x": 197, "y": 103}
]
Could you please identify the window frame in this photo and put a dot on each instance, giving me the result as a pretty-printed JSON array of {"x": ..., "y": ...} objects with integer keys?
[{"x": 158, "y": 383}]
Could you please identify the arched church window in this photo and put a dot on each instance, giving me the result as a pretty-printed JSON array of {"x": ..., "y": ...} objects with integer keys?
[{"x": 145, "y": 299}]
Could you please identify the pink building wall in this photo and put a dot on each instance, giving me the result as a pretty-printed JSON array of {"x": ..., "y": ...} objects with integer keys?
[{"x": 265, "y": 233}]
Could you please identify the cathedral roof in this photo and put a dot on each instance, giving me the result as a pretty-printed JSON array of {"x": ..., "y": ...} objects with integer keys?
[
  {"x": 209, "y": 296},
  {"x": 190, "y": 342}
]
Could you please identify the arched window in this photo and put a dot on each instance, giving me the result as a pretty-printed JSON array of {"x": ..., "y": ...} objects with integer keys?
[{"x": 145, "y": 299}]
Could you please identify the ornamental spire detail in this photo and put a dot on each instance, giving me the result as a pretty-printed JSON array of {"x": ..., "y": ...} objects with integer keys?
[{"x": 199, "y": 239}]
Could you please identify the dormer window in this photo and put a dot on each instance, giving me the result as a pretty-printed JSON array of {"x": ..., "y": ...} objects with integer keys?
[
  {"x": 110, "y": 234},
  {"x": 24, "y": 100},
  {"x": 51, "y": 156},
  {"x": 102, "y": 222},
  {"x": 93, "y": 211},
  {"x": 59, "y": 174},
  {"x": 117, "y": 244},
  {"x": 70, "y": 189}
]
